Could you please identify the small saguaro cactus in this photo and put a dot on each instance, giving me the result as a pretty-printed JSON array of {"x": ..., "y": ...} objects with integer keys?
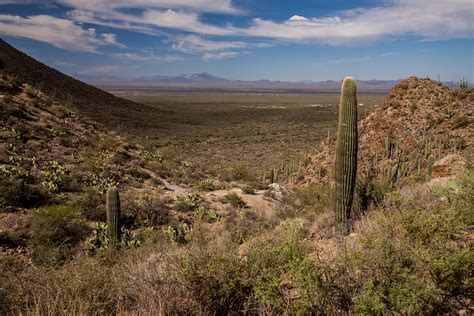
[
  {"x": 346, "y": 151},
  {"x": 113, "y": 216}
]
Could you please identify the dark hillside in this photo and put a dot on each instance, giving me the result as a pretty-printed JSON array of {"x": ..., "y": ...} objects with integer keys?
[{"x": 99, "y": 105}]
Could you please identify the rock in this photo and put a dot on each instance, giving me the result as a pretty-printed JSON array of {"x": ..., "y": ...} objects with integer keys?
[
  {"x": 451, "y": 165},
  {"x": 278, "y": 191},
  {"x": 444, "y": 171}
]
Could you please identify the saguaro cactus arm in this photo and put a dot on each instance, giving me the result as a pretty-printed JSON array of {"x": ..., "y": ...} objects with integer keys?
[{"x": 346, "y": 151}]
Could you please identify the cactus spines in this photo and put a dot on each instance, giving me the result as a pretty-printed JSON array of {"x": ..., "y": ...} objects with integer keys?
[
  {"x": 113, "y": 216},
  {"x": 346, "y": 151}
]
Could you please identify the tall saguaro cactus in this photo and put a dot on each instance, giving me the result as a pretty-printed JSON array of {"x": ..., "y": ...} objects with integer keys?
[
  {"x": 346, "y": 151},
  {"x": 113, "y": 216}
]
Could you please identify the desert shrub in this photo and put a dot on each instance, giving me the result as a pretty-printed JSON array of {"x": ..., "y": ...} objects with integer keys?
[
  {"x": 19, "y": 133},
  {"x": 395, "y": 104},
  {"x": 208, "y": 215},
  {"x": 137, "y": 174},
  {"x": 430, "y": 275},
  {"x": 207, "y": 185},
  {"x": 100, "y": 183},
  {"x": 242, "y": 224},
  {"x": 121, "y": 157},
  {"x": 251, "y": 188},
  {"x": 55, "y": 233},
  {"x": 7, "y": 98},
  {"x": 369, "y": 192},
  {"x": 188, "y": 202},
  {"x": 235, "y": 200},
  {"x": 179, "y": 232},
  {"x": 66, "y": 141},
  {"x": 151, "y": 155},
  {"x": 147, "y": 211},
  {"x": 20, "y": 193},
  {"x": 314, "y": 197},
  {"x": 81, "y": 287},
  {"x": 10, "y": 295},
  {"x": 241, "y": 173},
  {"x": 53, "y": 176},
  {"x": 98, "y": 241},
  {"x": 15, "y": 173},
  {"x": 219, "y": 279},
  {"x": 461, "y": 122},
  {"x": 213, "y": 280},
  {"x": 92, "y": 205}
]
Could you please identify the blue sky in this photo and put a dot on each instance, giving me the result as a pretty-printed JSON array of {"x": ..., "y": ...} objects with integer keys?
[{"x": 288, "y": 40}]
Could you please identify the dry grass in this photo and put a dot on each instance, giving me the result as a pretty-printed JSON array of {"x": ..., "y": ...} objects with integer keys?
[{"x": 407, "y": 258}]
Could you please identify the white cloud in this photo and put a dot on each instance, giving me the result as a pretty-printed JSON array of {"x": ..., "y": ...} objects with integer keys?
[
  {"x": 185, "y": 21},
  {"x": 424, "y": 19},
  {"x": 298, "y": 18},
  {"x": 221, "y": 55},
  {"x": 428, "y": 19},
  {"x": 111, "y": 39},
  {"x": 149, "y": 58},
  {"x": 149, "y": 20},
  {"x": 197, "y": 44},
  {"x": 55, "y": 31},
  {"x": 218, "y": 6}
]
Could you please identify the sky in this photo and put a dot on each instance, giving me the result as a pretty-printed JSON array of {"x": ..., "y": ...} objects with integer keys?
[{"x": 287, "y": 40}]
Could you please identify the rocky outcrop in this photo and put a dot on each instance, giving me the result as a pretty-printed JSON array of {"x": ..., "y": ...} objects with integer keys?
[{"x": 421, "y": 122}]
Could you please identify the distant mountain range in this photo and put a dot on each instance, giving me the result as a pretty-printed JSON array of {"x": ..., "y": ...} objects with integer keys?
[{"x": 205, "y": 81}]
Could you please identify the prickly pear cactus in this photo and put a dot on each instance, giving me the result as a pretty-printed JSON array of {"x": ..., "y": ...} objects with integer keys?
[
  {"x": 113, "y": 216},
  {"x": 346, "y": 151}
]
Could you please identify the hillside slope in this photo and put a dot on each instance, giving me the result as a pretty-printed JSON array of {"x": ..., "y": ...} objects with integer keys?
[
  {"x": 421, "y": 122},
  {"x": 227, "y": 251},
  {"x": 97, "y": 104}
]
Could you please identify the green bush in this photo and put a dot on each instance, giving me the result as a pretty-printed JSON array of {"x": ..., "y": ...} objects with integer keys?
[
  {"x": 98, "y": 241},
  {"x": 314, "y": 197},
  {"x": 250, "y": 188},
  {"x": 53, "y": 175},
  {"x": 20, "y": 193},
  {"x": 91, "y": 204},
  {"x": 179, "y": 232},
  {"x": 121, "y": 156},
  {"x": 188, "y": 202},
  {"x": 412, "y": 261},
  {"x": 235, "y": 200},
  {"x": 55, "y": 233},
  {"x": 147, "y": 211},
  {"x": 241, "y": 173},
  {"x": 101, "y": 183},
  {"x": 207, "y": 185},
  {"x": 137, "y": 174}
]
